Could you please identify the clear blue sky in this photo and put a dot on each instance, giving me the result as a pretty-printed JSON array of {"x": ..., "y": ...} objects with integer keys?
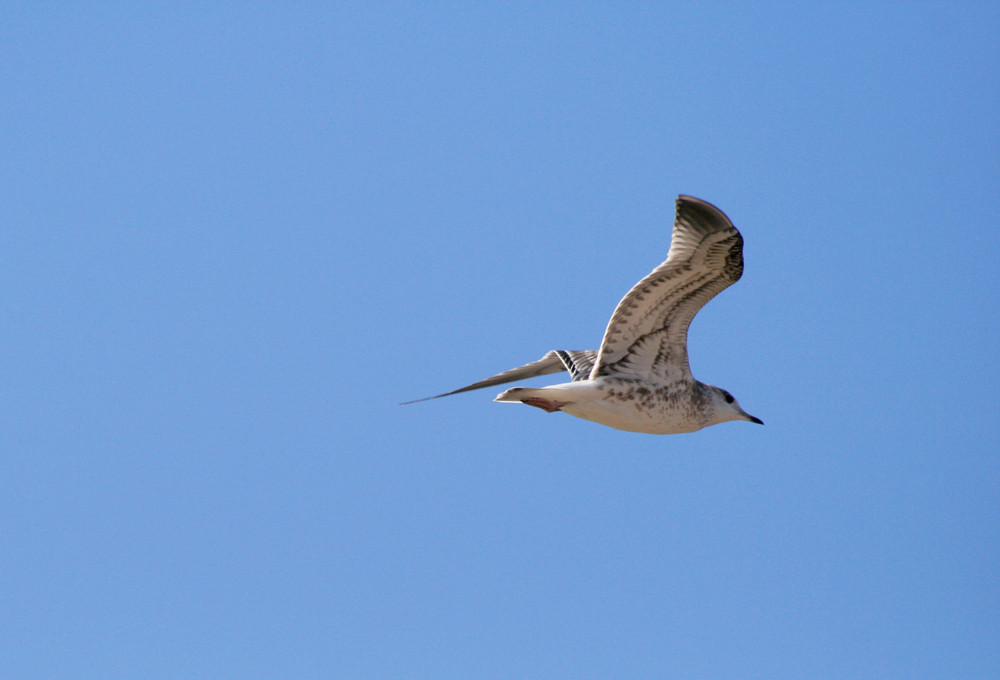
[{"x": 235, "y": 236}]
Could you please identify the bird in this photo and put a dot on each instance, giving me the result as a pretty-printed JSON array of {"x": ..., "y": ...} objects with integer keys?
[{"x": 640, "y": 379}]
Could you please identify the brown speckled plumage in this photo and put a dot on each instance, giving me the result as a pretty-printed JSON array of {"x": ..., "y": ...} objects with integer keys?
[{"x": 640, "y": 380}]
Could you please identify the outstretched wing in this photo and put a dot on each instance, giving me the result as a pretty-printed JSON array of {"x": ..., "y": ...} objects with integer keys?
[
  {"x": 579, "y": 363},
  {"x": 647, "y": 334}
]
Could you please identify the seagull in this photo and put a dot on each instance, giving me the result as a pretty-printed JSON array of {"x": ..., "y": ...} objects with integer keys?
[{"x": 639, "y": 380}]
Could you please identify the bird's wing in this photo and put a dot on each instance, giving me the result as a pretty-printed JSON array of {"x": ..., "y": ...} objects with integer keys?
[
  {"x": 579, "y": 363},
  {"x": 647, "y": 334}
]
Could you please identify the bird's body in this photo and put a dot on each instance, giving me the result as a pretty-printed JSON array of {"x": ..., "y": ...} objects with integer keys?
[
  {"x": 628, "y": 403},
  {"x": 640, "y": 380}
]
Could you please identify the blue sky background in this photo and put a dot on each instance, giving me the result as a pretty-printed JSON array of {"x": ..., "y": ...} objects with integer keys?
[{"x": 236, "y": 235}]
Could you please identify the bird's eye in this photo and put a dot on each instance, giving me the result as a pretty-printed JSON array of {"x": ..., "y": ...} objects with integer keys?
[{"x": 729, "y": 398}]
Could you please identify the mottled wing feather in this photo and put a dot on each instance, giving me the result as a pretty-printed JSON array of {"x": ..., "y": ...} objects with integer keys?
[
  {"x": 647, "y": 334},
  {"x": 579, "y": 363}
]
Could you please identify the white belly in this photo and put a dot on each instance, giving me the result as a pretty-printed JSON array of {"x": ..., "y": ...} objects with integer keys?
[
  {"x": 625, "y": 416},
  {"x": 621, "y": 403}
]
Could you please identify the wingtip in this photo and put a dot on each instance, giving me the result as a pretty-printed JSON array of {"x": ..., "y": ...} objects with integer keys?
[
  {"x": 686, "y": 203},
  {"x": 687, "y": 198},
  {"x": 414, "y": 401}
]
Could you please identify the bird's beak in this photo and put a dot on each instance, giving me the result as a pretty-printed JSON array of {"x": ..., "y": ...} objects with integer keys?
[{"x": 753, "y": 419}]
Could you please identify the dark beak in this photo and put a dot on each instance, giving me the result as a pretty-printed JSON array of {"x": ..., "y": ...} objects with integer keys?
[{"x": 754, "y": 420}]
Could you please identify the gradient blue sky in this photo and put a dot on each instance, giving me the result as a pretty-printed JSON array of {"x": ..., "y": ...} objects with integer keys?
[{"x": 236, "y": 235}]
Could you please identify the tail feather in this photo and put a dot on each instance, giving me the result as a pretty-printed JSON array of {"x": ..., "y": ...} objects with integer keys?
[
  {"x": 532, "y": 397},
  {"x": 566, "y": 393},
  {"x": 518, "y": 394}
]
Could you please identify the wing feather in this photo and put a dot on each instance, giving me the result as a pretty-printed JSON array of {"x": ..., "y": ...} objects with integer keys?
[
  {"x": 647, "y": 334},
  {"x": 579, "y": 363}
]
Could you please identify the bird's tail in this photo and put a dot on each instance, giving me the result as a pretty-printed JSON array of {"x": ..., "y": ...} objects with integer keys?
[
  {"x": 551, "y": 398},
  {"x": 516, "y": 394}
]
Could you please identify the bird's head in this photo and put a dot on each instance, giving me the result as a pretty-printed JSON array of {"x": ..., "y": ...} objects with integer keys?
[{"x": 727, "y": 408}]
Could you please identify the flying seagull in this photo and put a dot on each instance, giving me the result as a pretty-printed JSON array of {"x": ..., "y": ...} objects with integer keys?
[{"x": 640, "y": 380}]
